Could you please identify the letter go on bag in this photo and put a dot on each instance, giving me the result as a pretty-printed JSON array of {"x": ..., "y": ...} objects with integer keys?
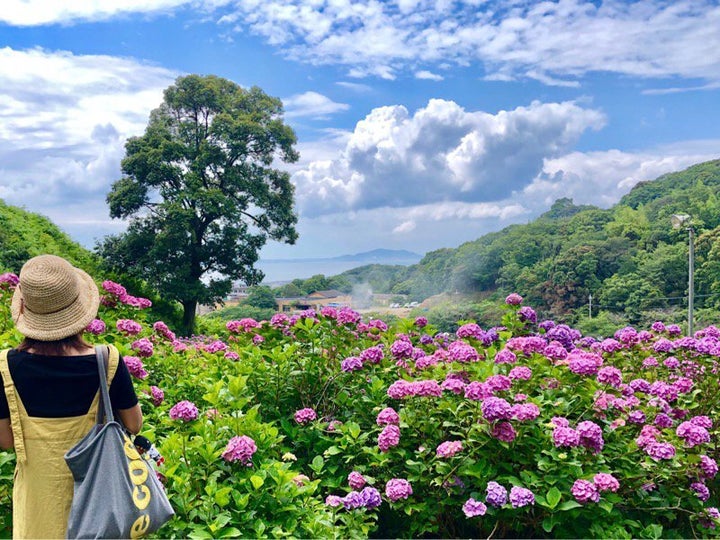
[{"x": 116, "y": 494}]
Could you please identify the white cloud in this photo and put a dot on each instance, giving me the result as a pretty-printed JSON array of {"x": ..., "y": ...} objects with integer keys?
[
  {"x": 440, "y": 153},
  {"x": 312, "y": 104},
  {"x": 428, "y": 75},
  {"x": 63, "y": 124},
  {"x": 540, "y": 40},
  {"x": 40, "y": 12},
  {"x": 405, "y": 227}
]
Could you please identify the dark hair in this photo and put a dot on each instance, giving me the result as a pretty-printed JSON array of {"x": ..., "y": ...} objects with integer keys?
[{"x": 54, "y": 348}]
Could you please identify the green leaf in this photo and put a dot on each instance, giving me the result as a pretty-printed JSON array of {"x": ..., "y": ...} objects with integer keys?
[
  {"x": 256, "y": 481},
  {"x": 222, "y": 496},
  {"x": 317, "y": 464},
  {"x": 553, "y": 497},
  {"x": 569, "y": 505},
  {"x": 332, "y": 451},
  {"x": 353, "y": 429}
]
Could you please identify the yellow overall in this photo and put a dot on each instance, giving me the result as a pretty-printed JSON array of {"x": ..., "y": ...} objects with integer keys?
[{"x": 43, "y": 486}]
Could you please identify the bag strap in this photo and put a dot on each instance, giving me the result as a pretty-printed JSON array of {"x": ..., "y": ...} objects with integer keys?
[{"x": 104, "y": 406}]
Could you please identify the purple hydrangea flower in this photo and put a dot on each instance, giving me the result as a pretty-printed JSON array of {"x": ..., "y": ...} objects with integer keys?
[
  {"x": 497, "y": 495},
  {"x": 356, "y": 480},
  {"x": 606, "y": 482},
  {"x": 184, "y": 410},
  {"x": 387, "y": 416},
  {"x": 585, "y": 491},
  {"x": 473, "y": 508},
  {"x": 520, "y": 496},
  {"x": 305, "y": 416},
  {"x": 240, "y": 449},
  {"x": 448, "y": 449},
  {"x": 389, "y": 437},
  {"x": 398, "y": 488}
]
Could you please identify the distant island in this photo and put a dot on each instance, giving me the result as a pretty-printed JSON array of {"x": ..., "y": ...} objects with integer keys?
[{"x": 377, "y": 256}]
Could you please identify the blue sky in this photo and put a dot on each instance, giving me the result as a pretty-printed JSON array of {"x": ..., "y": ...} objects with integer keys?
[{"x": 421, "y": 124}]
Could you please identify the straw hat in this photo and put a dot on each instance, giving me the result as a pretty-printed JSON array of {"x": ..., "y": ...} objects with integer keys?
[{"x": 53, "y": 300}]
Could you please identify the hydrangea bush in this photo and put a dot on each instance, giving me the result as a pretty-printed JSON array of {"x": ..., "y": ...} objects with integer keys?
[{"x": 322, "y": 424}]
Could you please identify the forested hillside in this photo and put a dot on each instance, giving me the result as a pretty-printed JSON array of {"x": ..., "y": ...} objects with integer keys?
[
  {"x": 628, "y": 257},
  {"x": 25, "y": 234}
]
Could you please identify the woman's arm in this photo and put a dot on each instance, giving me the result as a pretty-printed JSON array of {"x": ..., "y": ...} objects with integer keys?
[
  {"x": 6, "y": 435},
  {"x": 132, "y": 419}
]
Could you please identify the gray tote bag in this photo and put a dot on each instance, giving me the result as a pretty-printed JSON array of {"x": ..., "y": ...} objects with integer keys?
[{"x": 117, "y": 493}]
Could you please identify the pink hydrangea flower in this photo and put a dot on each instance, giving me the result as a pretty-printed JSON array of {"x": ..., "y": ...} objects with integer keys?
[
  {"x": 585, "y": 491},
  {"x": 606, "y": 482},
  {"x": 135, "y": 367},
  {"x": 387, "y": 416},
  {"x": 157, "y": 395},
  {"x": 513, "y": 299},
  {"x": 356, "y": 480},
  {"x": 504, "y": 431},
  {"x": 184, "y": 410},
  {"x": 8, "y": 280},
  {"x": 232, "y": 355},
  {"x": 448, "y": 449},
  {"x": 143, "y": 347},
  {"x": 240, "y": 449},
  {"x": 162, "y": 329},
  {"x": 398, "y": 488},
  {"x": 389, "y": 437},
  {"x": 114, "y": 288},
  {"x": 96, "y": 326},
  {"x": 305, "y": 416},
  {"x": 128, "y": 327}
]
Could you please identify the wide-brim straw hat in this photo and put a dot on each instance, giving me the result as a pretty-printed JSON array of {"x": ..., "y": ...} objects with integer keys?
[{"x": 53, "y": 300}]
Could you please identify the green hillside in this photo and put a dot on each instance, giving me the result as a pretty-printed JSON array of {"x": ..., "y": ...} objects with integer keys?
[
  {"x": 628, "y": 257},
  {"x": 24, "y": 235}
]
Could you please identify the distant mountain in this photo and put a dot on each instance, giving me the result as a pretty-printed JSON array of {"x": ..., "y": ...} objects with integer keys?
[{"x": 375, "y": 256}]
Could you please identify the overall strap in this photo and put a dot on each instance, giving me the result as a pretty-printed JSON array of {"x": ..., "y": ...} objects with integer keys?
[{"x": 11, "y": 395}]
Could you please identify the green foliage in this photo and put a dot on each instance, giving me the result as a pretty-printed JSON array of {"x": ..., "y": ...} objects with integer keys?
[
  {"x": 240, "y": 311},
  {"x": 201, "y": 191},
  {"x": 261, "y": 296},
  {"x": 24, "y": 235},
  {"x": 249, "y": 378}
]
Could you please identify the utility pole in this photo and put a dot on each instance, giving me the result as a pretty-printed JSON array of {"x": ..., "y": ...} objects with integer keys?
[
  {"x": 590, "y": 306},
  {"x": 691, "y": 279}
]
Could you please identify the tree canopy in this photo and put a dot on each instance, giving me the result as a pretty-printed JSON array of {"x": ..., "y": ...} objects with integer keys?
[{"x": 201, "y": 191}]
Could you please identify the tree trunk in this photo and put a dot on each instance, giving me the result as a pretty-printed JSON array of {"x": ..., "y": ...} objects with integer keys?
[{"x": 189, "y": 307}]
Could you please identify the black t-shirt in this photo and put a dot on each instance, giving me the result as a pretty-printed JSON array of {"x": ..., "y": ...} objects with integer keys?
[{"x": 62, "y": 386}]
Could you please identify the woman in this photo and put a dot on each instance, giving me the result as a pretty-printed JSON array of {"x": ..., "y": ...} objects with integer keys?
[{"x": 51, "y": 385}]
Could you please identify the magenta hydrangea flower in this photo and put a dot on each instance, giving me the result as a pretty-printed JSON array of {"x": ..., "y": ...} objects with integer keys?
[
  {"x": 469, "y": 330},
  {"x": 505, "y": 356},
  {"x": 473, "y": 508},
  {"x": 128, "y": 327},
  {"x": 135, "y": 367},
  {"x": 701, "y": 490},
  {"x": 585, "y": 491},
  {"x": 692, "y": 434},
  {"x": 305, "y": 416},
  {"x": 513, "y": 299},
  {"x": 709, "y": 466},
  {"x": 606, "y": 482},
  {"x": 232, "y": 355},
  {"x": 114, "y": 288},
  {"x": 521, "y": 373},
  {"x": 162, "y": 329},
  {"x": 527, "y": 314},
  {"x": 144, "y": 347},
  {"x": 565, "y": 436},
  {"x": 389, "y": 437},
  {"x": 525, "y": 411},
  {"x": 448, "y": 449},
  {"x": 157, "y": 395},
  {"x": 184, "y": 410},
  {"x": 387, "y": 416},
  {"x": 96, "y": 326},
  {"x": 609, "y": 375},
  {"x": 373, "y": 355},
  {"x": 356, "y": 480},
  {"x": 459, "y": 351},
  {"x": 478, "y": 391},
  {"x": 658, "y": 451},
  {"x": 398, "y": 488},
  {"x": 240, "y": 449},
  {"x": 421, "y": 322},
  {"x": 8, "y": 280},
  {"x": 454, "y": 385},
  {"x": 504, "y": 431},
  {"x": 494, "y": 408},
  {"x": 401, "y": 348},
  {"x": 351, "y": 363}
]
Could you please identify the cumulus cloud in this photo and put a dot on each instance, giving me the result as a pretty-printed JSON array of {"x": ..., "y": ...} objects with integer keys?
[
  {"x": 440, "y": 153},
  {"x": 64, "y": 119},
  {"x": 313, "y": 105},
  {"x": 428, "y": 75}
]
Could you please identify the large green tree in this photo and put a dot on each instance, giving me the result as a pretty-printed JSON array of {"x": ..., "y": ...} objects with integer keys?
[{"x": 201, "y": 191}]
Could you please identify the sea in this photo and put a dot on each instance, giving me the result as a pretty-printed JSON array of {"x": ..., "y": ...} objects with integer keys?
[{"x": 287, "y": 270}]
